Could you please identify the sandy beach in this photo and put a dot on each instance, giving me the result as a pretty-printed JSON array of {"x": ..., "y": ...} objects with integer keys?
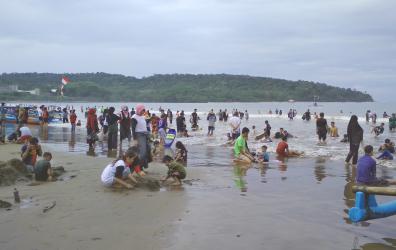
[
  {"x": 282, "y": 208},
  {"x": 87, "y": 215}
]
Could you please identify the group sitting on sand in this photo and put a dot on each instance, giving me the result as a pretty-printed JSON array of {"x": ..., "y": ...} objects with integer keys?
[
  {"x": 243, "y": 155},
  {"x": 125, "y": 171}
]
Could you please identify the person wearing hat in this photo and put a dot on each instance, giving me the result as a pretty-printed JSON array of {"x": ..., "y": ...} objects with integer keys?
[{"x": 141, "y": 135}]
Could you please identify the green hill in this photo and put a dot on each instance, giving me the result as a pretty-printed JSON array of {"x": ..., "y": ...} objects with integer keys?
[{"x": 172, "y": 88}]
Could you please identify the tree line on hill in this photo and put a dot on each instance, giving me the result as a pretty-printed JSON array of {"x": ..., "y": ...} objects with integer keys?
[{"x": 173, "y": 88}]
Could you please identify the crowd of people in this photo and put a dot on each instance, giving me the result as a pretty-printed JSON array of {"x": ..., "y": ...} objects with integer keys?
[{"x": 142, "y": 129}]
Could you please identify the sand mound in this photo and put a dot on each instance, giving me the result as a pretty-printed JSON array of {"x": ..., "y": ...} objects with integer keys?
[
  {"x": 8, "y": 176},
  {"x": 18, "y": 165},
  {"x": 5, "y": 204},
  {"x": 149, "y": 183}
]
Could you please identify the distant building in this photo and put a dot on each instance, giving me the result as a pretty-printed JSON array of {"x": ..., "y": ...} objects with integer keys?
[{"x": 14, "y": 88}]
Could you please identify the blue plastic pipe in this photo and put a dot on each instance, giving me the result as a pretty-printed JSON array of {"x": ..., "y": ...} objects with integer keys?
[{"x": 366, "y": 208}]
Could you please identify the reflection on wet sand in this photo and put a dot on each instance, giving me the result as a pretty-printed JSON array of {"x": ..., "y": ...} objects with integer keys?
[
  {"x": 239, "y": 176},
  {"x": 320, "y": 169}
]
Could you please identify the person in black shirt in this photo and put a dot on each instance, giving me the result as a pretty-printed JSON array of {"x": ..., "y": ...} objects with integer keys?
[
  {"x": 321, "y": 128},
  {"x": 112, "y": 121}
]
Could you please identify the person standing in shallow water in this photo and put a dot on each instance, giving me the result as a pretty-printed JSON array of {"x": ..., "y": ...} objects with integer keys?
[
  {"x": 321, "y": 128},
  {"x": 112, "y": 120},
  {"x": 355, "y": 137},
  {"x": 125, "y": 125},
  {"x": 141, "y": 135}
]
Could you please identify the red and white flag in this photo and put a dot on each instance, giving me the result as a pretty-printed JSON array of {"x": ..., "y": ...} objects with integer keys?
[{"x": 65, "y": 80}]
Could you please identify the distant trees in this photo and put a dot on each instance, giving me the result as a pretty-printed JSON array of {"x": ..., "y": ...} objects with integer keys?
[{"x": 175, "y": 88}]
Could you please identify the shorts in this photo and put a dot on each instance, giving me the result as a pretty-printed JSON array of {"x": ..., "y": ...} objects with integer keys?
[
  {"x": 242, "y": 158},
  {"x": 322, "y": 136},
  {"x": 178, "y": 175},
  {"x": 162, "y": 133},
  {"x": 235, "y": 135},
  {"x": 211, "y": 128}
]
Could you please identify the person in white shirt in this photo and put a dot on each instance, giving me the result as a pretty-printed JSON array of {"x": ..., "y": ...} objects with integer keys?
[
  {"x": 116, "y": 173},
  {"x": 235, "y": 123}
]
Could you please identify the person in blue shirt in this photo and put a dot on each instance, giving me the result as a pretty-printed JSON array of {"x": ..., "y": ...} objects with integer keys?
[
  {"x": 387, "y": 150},
  {"x": 366, "y": 170},
  {"x": 263, "y": 156}
]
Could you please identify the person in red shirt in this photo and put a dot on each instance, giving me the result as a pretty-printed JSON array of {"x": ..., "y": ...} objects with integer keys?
[
  {"x": 283, "y": 149},
  {"x": 92, "y": 128},
  {"x": 73, "y": 118}
]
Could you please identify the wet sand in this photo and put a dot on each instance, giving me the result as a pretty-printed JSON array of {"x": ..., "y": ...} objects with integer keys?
[
  {"x": 87, "y": 215},
  {"x": 298, "y": 206}
]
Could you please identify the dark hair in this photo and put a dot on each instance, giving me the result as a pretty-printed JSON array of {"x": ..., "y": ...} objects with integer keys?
[
  {"x": 245, "y": 130},
  {"x": 167, "y": 158},
  {"x": 321, "y": 114},
  {"x": 47, "y": 154},
  {"x": 130, "y": 152},
  {"x": 180, "y": 145},
  {"x": 33, "y": 140},
  {"x": 284, "y": 138},
  {"x": 387, "y": 140},
  {"x": 264, "y": 146},
  {"x": 368, "y": 149},
  {"x": 111, "y": 110}
]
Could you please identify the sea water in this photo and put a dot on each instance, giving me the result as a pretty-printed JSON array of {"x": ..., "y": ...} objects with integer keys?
[
  {"x": 304, "y": 132},
  {"x": 311, "y": 192}
]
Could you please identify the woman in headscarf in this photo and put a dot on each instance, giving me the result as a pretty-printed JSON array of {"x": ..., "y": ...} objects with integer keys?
[
  {"x": 92, "y": 127},
  {"x": 355, "y": 137},
  {"x": 141, "y": 135},
  {"x": 125, "y": 124}
]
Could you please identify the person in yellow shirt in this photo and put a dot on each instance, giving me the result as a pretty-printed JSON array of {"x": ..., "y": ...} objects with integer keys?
[{"x": 333, "y": 130}]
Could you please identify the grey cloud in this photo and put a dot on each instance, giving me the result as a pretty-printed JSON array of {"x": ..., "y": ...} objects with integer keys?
[{"x": 345, "y": 43}]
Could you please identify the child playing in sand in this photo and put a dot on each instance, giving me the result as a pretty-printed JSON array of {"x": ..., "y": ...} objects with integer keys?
[
  {"x": 42, "y": 169},
  {"x": 181, "y": 153},
  {"x": 175, "y": 170},
  {"x": 29, "y": 153},
  {"x": 115, "y": 174},
  {"x": 263, "y": 156}
]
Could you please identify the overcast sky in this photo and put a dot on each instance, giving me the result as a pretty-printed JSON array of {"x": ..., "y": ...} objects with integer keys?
[{"x": 347, "y": 43}]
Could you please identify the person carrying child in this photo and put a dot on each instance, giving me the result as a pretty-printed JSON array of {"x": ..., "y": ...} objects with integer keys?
[
  {"x": 42, "y": 169},
  {"x": 175, "y": 170},
  {"x": 115, "y": 174},
  {"x": 29, "y": 153}
]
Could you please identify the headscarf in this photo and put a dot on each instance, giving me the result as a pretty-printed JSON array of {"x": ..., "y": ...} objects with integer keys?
[
  {"x": 91, "y": 119},
  {"x": 139, "y": 109}
]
